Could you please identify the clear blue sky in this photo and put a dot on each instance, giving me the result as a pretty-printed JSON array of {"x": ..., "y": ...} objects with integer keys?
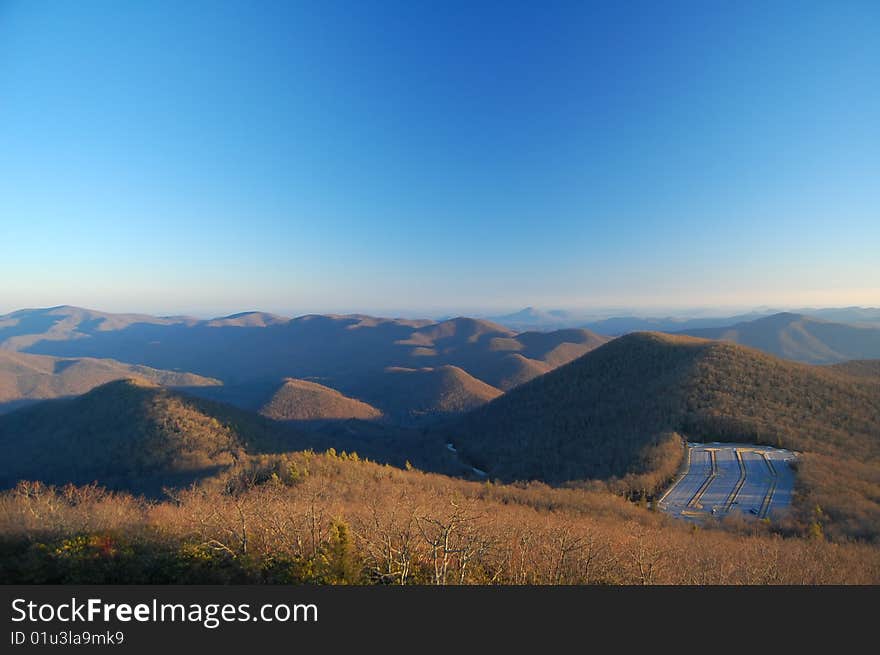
[{"x": 421, "y": 157}]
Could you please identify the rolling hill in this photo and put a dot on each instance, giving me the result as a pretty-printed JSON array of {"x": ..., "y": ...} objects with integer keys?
[
  {"x": 301, "y": 400},
  {"x": 27, "y": 378},
  {"x": 596, "y": 416},
  {"x": 126, "y": 434},
  {"x": 411, "y": 396},
  {"x": 801, "y": 338},
  {"x": 136, "y": 436},
  {"x": 251, "y": 352},
  {"x": 495, "y": 355}
]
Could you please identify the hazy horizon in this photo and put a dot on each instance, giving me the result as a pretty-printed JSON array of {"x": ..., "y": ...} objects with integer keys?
[
  {"x": 574, "y": 313},
  {"x": 186, "y": 158}
]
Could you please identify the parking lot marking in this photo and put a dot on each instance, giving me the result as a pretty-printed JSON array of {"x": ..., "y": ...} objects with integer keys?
[
  {"x": 768, "y": 498},
  {"x": 739, "y": 483},
  {"x": 695, "y": 500}
]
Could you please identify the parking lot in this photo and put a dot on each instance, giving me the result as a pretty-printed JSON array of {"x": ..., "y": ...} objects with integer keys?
[{"x": 721, "y": 478}]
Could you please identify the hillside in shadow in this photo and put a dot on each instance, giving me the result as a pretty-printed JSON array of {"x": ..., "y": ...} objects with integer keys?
[{"x": 141, "y": 437}]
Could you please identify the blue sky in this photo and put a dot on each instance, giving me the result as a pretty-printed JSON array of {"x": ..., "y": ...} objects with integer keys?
[{"x": 416, "y": 157}]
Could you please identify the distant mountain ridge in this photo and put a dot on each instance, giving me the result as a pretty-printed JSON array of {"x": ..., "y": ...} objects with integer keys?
[
  {"x": 354, "y": 358},
  {"x": 531, "y": 318},
  {"x": 801, "y": 338},
  {"x": 345, "y": 353},
  {"x": 23, "y": 328},
  {"x": 626, "y": 324},
  {"x": 536, "y": 319},
  {"x": 247, "y": 319}
]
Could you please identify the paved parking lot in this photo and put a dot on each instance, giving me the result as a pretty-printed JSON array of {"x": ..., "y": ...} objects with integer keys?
[{"x": 720, "y": 478}]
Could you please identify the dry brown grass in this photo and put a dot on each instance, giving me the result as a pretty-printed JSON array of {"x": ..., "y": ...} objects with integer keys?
[{"x": 377, "y": 524}]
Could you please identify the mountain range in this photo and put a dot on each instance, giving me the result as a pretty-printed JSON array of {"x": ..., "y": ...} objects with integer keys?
[
  {"x": 406, "y": 372},
  {"x": 801, "y": 338},
  {"x": 141, "y": 403},
  {"x": 619, "y": 414},
  {"x": 531, "y": 318},
  {"x": 253, "y": 353}
]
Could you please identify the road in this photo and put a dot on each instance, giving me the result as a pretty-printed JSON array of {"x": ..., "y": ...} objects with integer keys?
[{"x": 721, "y": 478}]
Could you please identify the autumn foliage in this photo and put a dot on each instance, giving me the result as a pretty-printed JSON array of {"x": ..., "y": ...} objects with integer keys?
[{"x": 335, "y": 519}]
